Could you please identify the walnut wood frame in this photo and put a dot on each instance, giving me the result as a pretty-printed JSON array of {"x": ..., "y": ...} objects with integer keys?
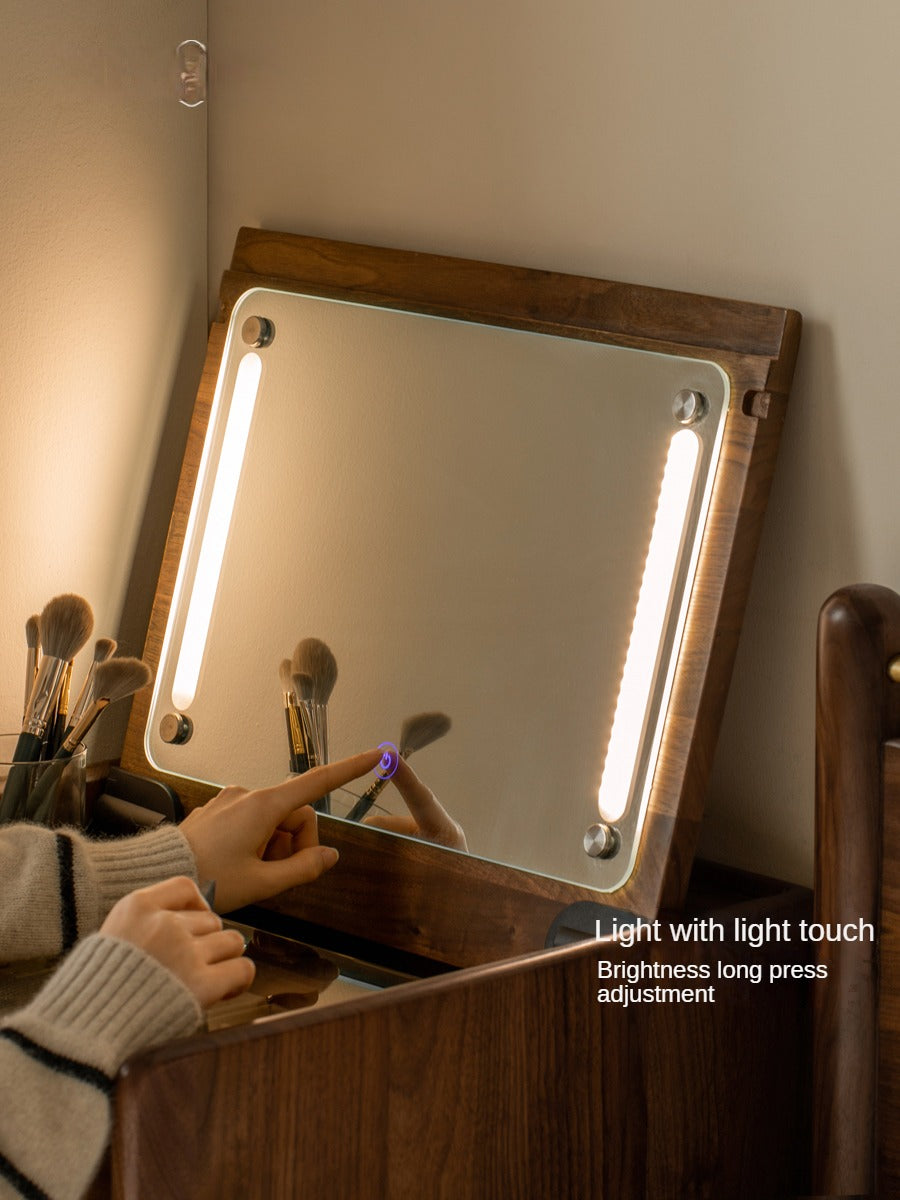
[
  {"x": 477, "y": 911},
  {"x": 505, "y": 1080},
  {"x": 856, "y": 1065}
]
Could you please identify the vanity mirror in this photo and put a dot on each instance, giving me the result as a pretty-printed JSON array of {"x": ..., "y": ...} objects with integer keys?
[{"x": 527, "y": 500}]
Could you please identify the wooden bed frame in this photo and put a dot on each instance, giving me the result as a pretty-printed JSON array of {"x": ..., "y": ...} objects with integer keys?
[{"x": 856, "y": 1076}]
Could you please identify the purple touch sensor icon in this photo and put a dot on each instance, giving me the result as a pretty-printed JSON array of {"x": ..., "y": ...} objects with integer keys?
[{"x": 389, "y": 760}]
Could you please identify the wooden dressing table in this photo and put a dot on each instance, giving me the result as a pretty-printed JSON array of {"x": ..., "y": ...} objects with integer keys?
[
  {"x": 501, "y": 1080},
  {"x": 493, "y": 1070}
]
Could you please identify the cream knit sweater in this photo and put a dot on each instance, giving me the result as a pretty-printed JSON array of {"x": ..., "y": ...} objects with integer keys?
[{"x": 59, "y": 1055}]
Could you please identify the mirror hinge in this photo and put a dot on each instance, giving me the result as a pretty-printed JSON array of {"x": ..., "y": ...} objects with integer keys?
[{"x": 757, "y": 404}]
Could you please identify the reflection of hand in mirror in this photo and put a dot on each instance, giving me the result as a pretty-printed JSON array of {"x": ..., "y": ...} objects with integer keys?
[
  {"x": 255, "y": 844},
  {"x": 427, "y": 817}
]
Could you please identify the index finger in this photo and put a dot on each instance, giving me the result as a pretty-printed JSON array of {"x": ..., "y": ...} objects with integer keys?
[{"x": 284, "y": 797}]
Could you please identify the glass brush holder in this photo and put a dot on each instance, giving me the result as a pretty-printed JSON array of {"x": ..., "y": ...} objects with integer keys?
[{"x": 51, "y": 792}]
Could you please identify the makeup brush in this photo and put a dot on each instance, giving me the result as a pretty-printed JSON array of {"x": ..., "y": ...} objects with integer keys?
[
  {"x": 59, "y": 717},
  {"x": 299, "y": 762},
  {"x": 115, "y": 679},
  {"x": 104, "y": 648},
  {"x": 314, "y": 672},
  {"x": 415, "y": 733},
  {"x": 33, "y": 644},
  {"x": 65, "y": 623}
]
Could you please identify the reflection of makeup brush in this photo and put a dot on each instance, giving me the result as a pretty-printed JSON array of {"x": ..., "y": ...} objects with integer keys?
[
  {"x": 313, "y": 658},
  {"x": 104, "y": 648},
  {"x": 316, "y": 667},
  {"x": 65, "y": 624},
  {"x": 33, "y": 642},
  {"x": 298, "y": 758},
  {"x": 415, "y": 733},
  {"x": 114, "y": 680},
  {"x": 302, "y": 688}
]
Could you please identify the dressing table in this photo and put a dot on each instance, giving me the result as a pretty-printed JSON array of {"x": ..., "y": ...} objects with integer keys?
[{"x": 467, "y": 1054}]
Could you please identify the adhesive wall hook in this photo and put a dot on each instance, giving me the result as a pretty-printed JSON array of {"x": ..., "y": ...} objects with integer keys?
[{"x": 191, "y": 60}]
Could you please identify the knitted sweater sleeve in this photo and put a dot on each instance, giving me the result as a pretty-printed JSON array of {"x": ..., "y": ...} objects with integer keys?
[
  {"x": 59, "y": 1055},
  {"x": 56, "y": 885}
]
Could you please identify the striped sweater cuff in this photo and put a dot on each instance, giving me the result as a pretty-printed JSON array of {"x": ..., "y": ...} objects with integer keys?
[
  {"x": 122, "y": 865},
  {"x": 107, "y": 1000}
]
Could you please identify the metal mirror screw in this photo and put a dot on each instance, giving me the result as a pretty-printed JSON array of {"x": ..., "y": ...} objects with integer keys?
[
  {"x": 176, "y": 728},
  {"x": 258, "y": 332},
  {"x": 894, "y": 668},
  {"x": 602, "y": 841},
  {"x": 689, "y": 406}
]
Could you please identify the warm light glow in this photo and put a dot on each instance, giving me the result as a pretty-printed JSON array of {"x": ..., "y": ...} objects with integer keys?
[
  {"x": 215, "y": 532},
  {"x": 652, "y": 612}
]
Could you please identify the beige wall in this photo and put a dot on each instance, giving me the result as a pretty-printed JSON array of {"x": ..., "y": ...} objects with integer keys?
[
  {"x": 733, "y": 149},
  {"x": 723, "y": 148},
  {"x": 102, "y": 305}
]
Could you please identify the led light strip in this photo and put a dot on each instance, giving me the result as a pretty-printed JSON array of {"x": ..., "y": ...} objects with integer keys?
[
  {"x": 215, "y": 532},
  {"x": 654, "y": 604}
]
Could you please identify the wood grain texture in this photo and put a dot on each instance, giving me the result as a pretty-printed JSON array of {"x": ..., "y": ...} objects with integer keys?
[
  {"x": 857, "y": 709},
  {"x": 494, "y": 292},
  {"x": 756, "y": 347},
  {"x": 888, "y": 1069},
  {"x": 503, "y": 1081}
]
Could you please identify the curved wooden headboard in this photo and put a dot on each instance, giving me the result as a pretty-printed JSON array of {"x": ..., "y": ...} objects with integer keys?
[{"x": 856, "y": 1065}]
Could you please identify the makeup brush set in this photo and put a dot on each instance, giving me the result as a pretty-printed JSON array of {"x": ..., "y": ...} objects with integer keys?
[
  {"x": 307, "y": 681},
  {"x": 52, "y": 733}
]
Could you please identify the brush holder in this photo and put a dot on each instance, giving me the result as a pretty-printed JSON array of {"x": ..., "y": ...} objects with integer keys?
[{"x": 65, "y": 797}]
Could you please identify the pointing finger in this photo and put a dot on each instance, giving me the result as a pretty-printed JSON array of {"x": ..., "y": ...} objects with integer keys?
[
  {"x": 434, "y": 822},
  {"x": 284, "y": 797}
]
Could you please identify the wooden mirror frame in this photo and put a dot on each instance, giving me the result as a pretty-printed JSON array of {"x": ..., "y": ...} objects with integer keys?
[{"x": 416, "y": 897}]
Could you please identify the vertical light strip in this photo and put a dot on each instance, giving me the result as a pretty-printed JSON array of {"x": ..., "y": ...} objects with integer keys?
[
  {"x": 215, "y": 531},
  {"x": 654, "y": 602}
]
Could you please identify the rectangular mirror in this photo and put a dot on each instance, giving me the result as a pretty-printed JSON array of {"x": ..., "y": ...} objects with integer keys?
[
  {"x": 462, "y": 513},
  {"x": 487, "y": 503}
]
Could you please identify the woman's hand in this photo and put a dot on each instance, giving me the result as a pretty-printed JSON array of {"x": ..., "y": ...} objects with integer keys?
[
  {"x": 427, "y": 819},
  {"x": 256, "y": 844},
  {"x": 172, "y": 923}
]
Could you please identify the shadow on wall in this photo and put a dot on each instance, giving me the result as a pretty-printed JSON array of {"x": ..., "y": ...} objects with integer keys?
[
  {"x": 760, "y": 805},
  {"x": 151, "y": 538}
]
